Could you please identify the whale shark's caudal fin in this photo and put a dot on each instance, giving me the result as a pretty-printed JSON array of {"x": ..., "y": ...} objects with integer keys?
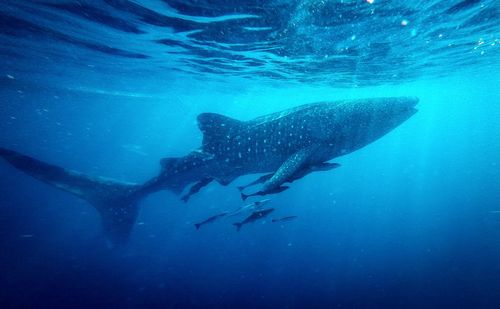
[{"x": 116, "y": 202}]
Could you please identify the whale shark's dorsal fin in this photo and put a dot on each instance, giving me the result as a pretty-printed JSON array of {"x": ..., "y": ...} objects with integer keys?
[{"x": 216, "y": 127}]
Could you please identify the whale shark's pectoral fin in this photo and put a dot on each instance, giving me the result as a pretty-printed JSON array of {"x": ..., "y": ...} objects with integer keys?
[
  {"x": 292, "y": 166},
  {"x": 301, "y": 172}
]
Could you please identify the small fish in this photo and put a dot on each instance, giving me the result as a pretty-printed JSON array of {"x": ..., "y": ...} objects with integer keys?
[
  {"x": 325, "y": 166},
  {"x": 256, "y": 215},
  {"x": 261, "y": 179},
  {"x": 196, "y": 188},
  {"x": 250, "y": 207},
  {"x": 273, "y": 191},
  {"x": 210, "y": 220},
  {"x": 285, "y": 219},
  {"x": 494, "y": 211},
  {"x": 137, "y": 149}
]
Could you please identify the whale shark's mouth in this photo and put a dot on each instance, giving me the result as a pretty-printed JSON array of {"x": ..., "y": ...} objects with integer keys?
[
  {"x": 411, "y": 102},
  {"x": 403, "y": 108},
  {"x": 409, "y": 105}
]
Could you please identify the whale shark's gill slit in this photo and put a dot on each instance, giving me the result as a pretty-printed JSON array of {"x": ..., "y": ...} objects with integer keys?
[{"x": 116, "y": 202}]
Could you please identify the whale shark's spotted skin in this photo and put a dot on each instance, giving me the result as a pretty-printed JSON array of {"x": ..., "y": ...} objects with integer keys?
[
  {"x": 287, "y": 145},
  {"x": 285, "y": 142}
]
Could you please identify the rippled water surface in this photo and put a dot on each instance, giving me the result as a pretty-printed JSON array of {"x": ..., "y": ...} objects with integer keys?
[{"x": 340, "y": 43}]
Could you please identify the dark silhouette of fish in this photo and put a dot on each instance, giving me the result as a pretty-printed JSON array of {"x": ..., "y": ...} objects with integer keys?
[
  {"x": 286, "y": 144},
  {"x": 325, "y": 166},
  {"x": 285, "y": 219},
  {"x": 196, "y": 188},
  {"x": 250, "y": 207},
  {"x": 256, "y": 215},
  {"x": 262, "y": 192},
  {"x": 210, "y": 220}
]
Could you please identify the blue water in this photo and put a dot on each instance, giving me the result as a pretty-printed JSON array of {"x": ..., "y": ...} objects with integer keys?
[{"x": 111, "y": 87}]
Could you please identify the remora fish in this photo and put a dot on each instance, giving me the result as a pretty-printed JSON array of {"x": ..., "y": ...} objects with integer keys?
[
  {"x": 285, "y": 219},
  {"x": 325, "y": 166},
  {"x": 209, "y": 220},
  {"x": 282, "y": 143},
  {"x": 262, "y": 192},
  {"x": 196, "y": 188},
  {"x": 250, "y": 207},
  {"x": 256, "y": 215}
]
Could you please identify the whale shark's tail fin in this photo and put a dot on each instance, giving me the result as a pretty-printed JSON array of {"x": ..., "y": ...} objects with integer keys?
[{"x": 116, "y": 202}]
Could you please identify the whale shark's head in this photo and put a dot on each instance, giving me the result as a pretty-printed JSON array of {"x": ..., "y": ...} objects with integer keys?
[
  {"x": 353, "y": 124},
  {"x": 385, "y": 114}
]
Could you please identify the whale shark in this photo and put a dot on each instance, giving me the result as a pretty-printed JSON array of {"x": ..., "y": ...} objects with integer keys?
[{"x": 286, "y": 145}]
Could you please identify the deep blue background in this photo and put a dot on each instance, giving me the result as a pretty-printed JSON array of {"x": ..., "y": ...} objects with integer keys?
[
  {"x": 405, "y": 222},
  {"x": 111, "y": 87}
]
